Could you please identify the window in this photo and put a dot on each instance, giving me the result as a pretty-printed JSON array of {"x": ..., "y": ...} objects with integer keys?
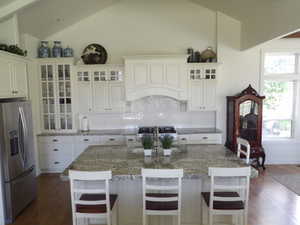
[{"x": 280, "y": 92}]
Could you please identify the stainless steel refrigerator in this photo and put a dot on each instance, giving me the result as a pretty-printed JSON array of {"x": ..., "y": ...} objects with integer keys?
[{"x": 17, "y": 157}]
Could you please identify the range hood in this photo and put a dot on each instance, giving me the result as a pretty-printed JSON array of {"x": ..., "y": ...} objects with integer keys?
[{"x": 163, "y": 75}]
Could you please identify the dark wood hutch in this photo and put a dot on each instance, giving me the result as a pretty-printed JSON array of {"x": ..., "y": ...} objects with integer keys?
[{"x": 244, "y": 119}]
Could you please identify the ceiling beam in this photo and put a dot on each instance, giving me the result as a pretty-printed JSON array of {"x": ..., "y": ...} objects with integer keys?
[{"x": 13, "y": 7}]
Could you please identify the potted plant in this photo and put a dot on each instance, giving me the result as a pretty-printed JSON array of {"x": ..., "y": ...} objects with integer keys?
[
  {"x": 147, "y": 142},
  {"x": 166, "y": 142}
]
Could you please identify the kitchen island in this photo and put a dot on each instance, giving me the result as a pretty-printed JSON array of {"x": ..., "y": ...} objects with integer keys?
[{"x": 126, "y": 163}]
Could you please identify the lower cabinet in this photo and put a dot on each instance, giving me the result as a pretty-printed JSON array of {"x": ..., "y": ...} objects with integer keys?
[{"x": 208, "y": 138}]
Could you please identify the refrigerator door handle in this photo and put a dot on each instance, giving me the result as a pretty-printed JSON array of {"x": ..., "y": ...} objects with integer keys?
[{"x": 22, "y": 136}]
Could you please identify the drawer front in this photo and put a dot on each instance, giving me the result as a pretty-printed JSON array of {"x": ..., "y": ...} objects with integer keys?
[
  {"x": 56, "y": 139},
  {"x": 205, "y": 139},
  {"x": 112, "y": 140},
  {"x": 56, "y": 149},
  {"x": 89, "y": 139},
  {"x": 54, "y": 164}
]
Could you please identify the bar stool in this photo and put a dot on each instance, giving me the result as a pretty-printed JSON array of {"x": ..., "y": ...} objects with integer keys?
[
  {"x": 163, "y": 199},
  {"x": 90, "y": 197},
  {"x": 226, "y": 198}
]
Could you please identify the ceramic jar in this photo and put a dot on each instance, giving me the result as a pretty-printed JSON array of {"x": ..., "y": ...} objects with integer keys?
[
  {"x": 44, "y": 50},
  {"x": 57, "y": 49},
  {"x": 68, "y": 52}
]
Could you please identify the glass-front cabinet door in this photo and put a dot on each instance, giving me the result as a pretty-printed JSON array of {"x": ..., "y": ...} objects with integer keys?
[{"x": 56, "y": 96}]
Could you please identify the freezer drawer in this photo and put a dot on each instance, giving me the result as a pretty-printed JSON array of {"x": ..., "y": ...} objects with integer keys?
[{"x": 19, "y": 193}]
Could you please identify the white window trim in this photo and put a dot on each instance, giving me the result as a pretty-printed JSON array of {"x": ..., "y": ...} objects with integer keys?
[{"x": 283, "y": 77}]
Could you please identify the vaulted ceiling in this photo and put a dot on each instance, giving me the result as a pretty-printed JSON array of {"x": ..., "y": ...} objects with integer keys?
[{"x": 262, "y": 20}]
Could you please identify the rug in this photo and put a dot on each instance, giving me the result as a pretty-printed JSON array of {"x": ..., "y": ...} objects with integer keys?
[{"x": 290, "y": 181}]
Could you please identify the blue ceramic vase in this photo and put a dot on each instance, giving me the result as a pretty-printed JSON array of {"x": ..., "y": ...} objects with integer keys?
[
  {"x": 57, "y": 49},
  {"x": 44, "y": 51}
]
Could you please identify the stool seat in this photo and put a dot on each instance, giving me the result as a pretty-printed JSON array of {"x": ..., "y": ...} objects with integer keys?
[
  {"x": 173, "y": 205},
  {"x": 95, "y": 208},
  {"x": 224, "y": 205}
]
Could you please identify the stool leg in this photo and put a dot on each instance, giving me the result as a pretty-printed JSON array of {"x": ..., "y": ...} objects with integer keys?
[{"x": 210, "y": 218}]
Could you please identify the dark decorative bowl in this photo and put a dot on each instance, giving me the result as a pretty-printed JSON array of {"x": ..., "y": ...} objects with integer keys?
[{"x": 94, "y": 54}]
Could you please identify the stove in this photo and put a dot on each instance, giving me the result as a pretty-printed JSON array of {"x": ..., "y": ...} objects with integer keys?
[{"x": 159, "y": 131}]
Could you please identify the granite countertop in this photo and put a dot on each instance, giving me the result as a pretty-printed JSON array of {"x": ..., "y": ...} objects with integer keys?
[
  {"x": 125, "y": 162},
  {"x": 132, "y": 131},
  {"x": 95, "y": 132},
  {"x": 198, "y": 130}
]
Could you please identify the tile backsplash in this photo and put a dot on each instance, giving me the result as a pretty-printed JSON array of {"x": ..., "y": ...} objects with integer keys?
[{"x": 152, "y": 111}]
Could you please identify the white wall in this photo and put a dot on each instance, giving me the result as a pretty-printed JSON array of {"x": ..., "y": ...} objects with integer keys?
[
  {"x": 9, "y": 31},
  {"x": 133, "y": 27}
]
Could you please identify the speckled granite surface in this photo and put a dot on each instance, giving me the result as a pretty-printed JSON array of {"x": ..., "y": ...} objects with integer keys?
[{"x": 127, "y": 162}]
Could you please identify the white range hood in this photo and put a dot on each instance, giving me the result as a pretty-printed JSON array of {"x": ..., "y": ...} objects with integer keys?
[{"x": 151, "y": 75}]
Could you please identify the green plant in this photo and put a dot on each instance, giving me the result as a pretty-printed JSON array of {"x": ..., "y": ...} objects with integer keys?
[
  {"x": 166, "y": 141},
  {"x": 147, "y": 142}
]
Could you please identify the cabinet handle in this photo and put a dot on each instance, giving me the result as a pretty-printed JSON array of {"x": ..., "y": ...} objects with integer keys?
[
  {"x": 14, "y": 92},
  {"x": 56, "y": 163},
  {"x": 55, "y": 140},
  {"x": 183, "y": 139},
  {"x": 204, "y": 138},
  {"x": 130, "y": 139},
  {"x": 86, "y": 139},
  {"x": 55, "y": 150},
  {"x": 112, "y": 139}
]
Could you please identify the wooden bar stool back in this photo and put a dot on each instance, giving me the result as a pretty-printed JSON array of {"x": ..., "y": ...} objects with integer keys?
[
  {"x": 162, "y": 193},
  {"x": 90, "y": 197}
]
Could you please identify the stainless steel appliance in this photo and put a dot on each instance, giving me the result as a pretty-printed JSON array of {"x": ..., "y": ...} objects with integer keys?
[
  {"x": 159, "y": 131},
  {"x": 17, "y": 157}
]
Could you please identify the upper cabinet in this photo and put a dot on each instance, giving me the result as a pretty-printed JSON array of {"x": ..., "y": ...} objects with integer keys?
[
  {"x": 13, "y": 76},
  {"x": 56, "y": 94},
  {"x": 156, "y": 75},
  {"x": 202, "y": 86},
  {"x": 100, "y": 88}
]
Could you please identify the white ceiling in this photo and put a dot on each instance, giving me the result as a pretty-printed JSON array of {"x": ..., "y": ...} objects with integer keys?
[
  {"x": 5, "y": 2},
  {"x": 50, "y": 16}
]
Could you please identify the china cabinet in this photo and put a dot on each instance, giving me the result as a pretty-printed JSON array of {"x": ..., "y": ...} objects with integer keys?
[
  {"x": 100, "y": 88},
  {"x": 202, "y": 86},
  {"x": 156, "y": 75},
  {"x": 13, "y": 79},
  {"x": 244, "y": 119},
  {"x": 56, "y": 94}
]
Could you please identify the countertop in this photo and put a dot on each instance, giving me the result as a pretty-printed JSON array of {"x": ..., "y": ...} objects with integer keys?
[
  {"x": 126, "y": 162},
  {"x": 133, "y": 131}
]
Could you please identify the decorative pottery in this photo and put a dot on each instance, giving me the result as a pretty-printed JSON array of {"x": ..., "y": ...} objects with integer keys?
[
  {"x": 94, "y": 54},
  {"x": 68, "y": 52},
  {"x": 44, "y": 51},
  {"x": 3, "y": 47},
  {"x": 57, "y": 49},
  {"x": 190, "y": 52},
  {"x": 209, "y": 55}
]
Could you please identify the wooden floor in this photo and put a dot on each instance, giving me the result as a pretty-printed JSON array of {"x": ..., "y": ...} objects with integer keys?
[{"x": 270, "y": 202}]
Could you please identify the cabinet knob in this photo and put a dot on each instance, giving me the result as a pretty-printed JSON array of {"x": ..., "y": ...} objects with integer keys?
[
  {"x": 130, "y": 139},
  {"x": 55, "y": 150},
  {"x": 55, "y": 140},
  {"x": 112, "y": 139},
  {"x": 183, "y": 139},
  {"x": 86, "y": 139},
  {"x": 204, "y": 138},
  {"x": 56, "y": 163}
]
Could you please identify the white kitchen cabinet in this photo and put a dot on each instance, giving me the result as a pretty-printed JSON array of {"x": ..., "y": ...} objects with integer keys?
[
  {"x": 200, "y": 138},
  {"x": 156, "y": 75},
  {"x": 56, "y": 94},
  {"x": 202, "y": 87},
  {"x": 55, "y": 153},
  {"x": 83, "y": 142},
  {"x": 13, "y": 76},
  {"x": 100, "y": 88}
]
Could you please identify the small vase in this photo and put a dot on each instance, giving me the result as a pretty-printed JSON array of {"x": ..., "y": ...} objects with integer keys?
[
  {"x": 44, "y": 51},
  {"x": 209, "y": 55},
  {"x": 57, "y": 49},
  {"x": 68, "y": 52}
]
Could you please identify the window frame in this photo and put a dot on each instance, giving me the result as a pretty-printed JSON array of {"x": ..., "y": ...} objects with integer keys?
[{"x": 294, "y": 77}]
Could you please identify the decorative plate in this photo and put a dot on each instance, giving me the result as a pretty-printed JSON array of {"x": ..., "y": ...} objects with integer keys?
[{"x": 94, "y": 54}]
